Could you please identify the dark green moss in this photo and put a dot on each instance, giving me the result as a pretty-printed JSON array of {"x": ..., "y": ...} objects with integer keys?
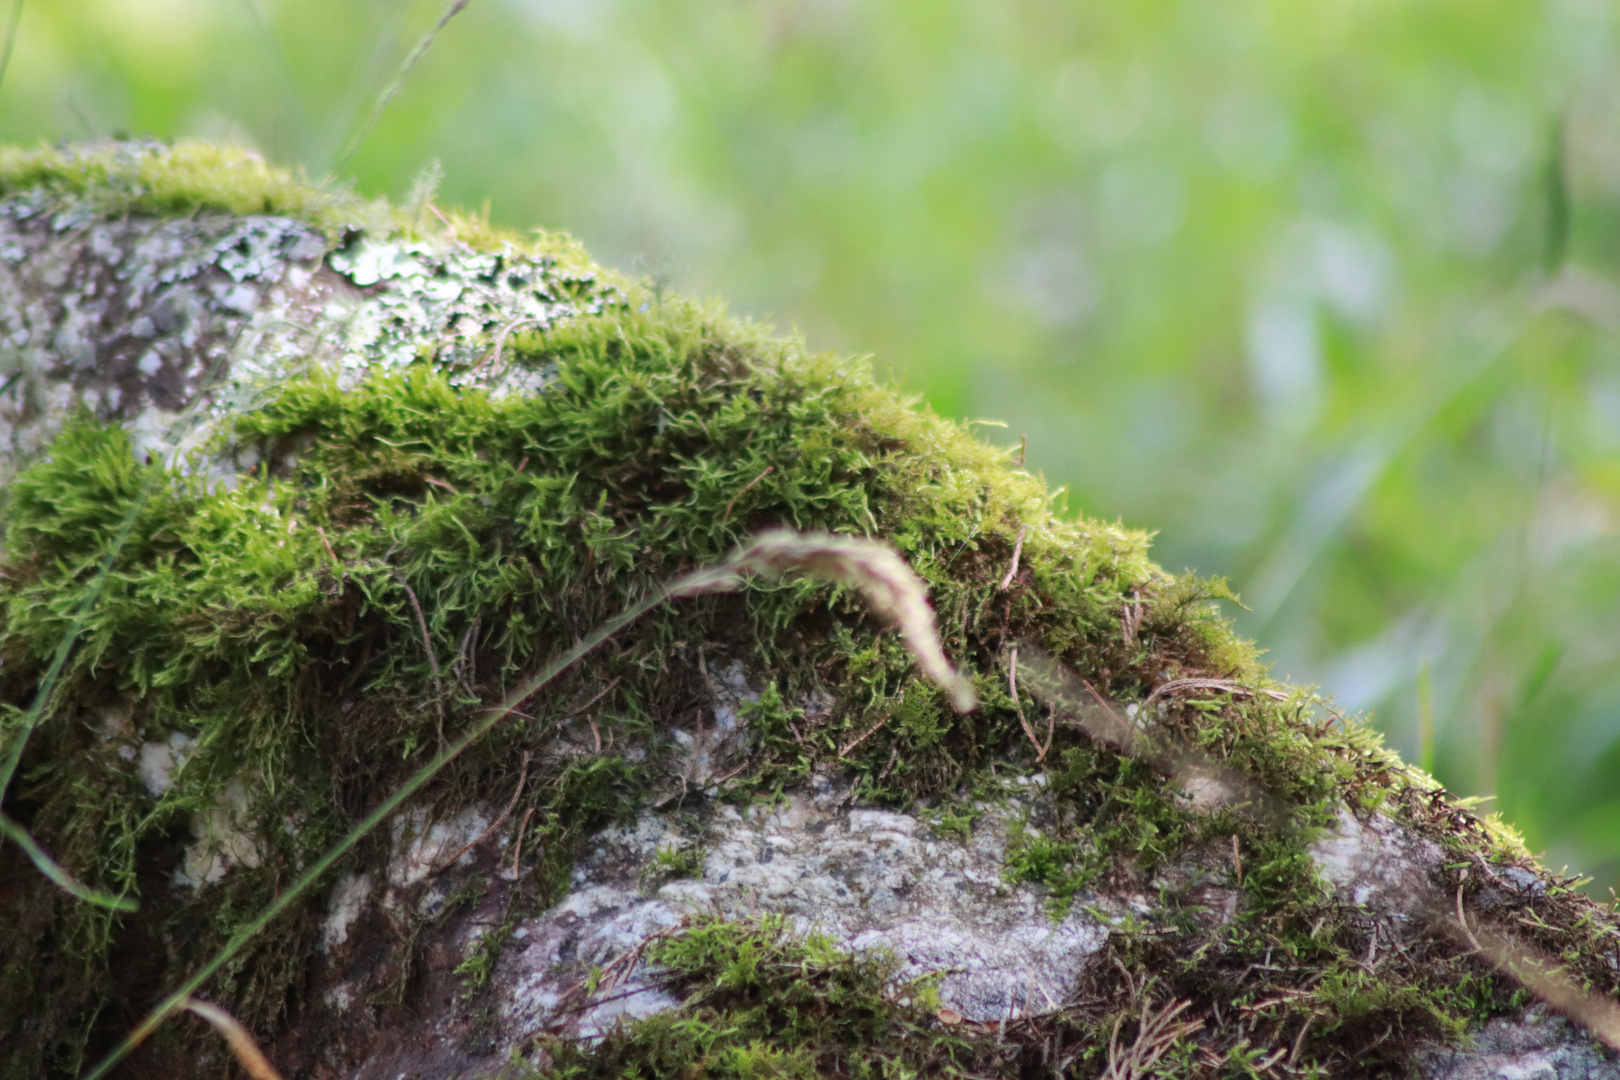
[{"x": 273, "y": 627}]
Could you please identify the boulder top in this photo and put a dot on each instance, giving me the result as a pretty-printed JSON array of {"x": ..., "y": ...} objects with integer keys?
[{"x": 313, "y": 485}]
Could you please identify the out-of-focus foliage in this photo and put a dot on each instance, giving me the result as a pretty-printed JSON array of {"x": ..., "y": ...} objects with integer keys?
[{"x": 1328, "y": 293}]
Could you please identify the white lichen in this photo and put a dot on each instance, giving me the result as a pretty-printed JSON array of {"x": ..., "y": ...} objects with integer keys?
[
  {"x": 423, "y": 845},
  {"x": 158, "y": 760},
  {"x": 347, "y": 902},
  {"x": 872, "y": 879}
]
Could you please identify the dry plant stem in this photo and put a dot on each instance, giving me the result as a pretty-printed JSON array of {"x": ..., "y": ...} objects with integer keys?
[
  {"x": 775, "y": 551},
  {"x": 242, "y": 1045},
  {"x": 1156, "y": 1033},
  {"x": 1018, "y": 549},
  {"x": 517, "y": 855},
  {"x": 598, "y": 696},
  {"x": 862, "y": 737},
  {"x": 523, "y": 778},
  {"x": 1299, "y": 1040},
  {"x": 427, "y": 646},
  {"x": 493, "y": 357},
  {"x": 336, "y": 562},
  {"x": 1462, "y": 917},
  {"x": 1130, "y": 620},
  {"x": 1018, "y": 707},
  {"x": 725, "y": 515}
]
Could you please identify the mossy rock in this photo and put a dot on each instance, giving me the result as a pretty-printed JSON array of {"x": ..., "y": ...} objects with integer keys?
[{"x": 300, "y": 489}]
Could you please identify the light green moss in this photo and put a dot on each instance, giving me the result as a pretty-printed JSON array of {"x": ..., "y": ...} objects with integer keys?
[
  {"x": 273, "y": 625},
  {"x": 174, "y": 179}
]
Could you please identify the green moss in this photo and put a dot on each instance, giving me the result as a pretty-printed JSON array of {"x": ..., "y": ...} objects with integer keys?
[
  {"x": 156, "y": 178},
  {"x": 271, "y": 627},
  {"x": 272, "y": 623},
  {"x": 174, "y": 179},
  {"x": 759, "y": 1001},
  {"x": 677, "y": 862}
]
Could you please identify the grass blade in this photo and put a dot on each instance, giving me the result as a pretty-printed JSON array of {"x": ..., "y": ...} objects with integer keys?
[
  {"x": 419, "y": 50},
  {"x": 11, "y": 38},
  {"x": 55, "y": 871}
]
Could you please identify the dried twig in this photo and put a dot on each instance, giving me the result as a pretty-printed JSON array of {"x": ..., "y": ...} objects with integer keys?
[
  {"x": 427, "y": 641},
  {"x": 523, "y": 778},
  {"x": 1018, "y": 549},
  {"x": 493, "y": 357},
  {"x": 242, "y": 1045},
  {"x": 1156, "y": 1033},
  {"x": 862, "y": 737},
  {"x": 1299, "y": 1040},
  {"x": 465, "y": 667},
  {"x": 598, "y": 696},
  {"x": 1130, "y": 619},
  {"x": 337, "y": 562},
  {"x": 517, "y": 855},
  {"x": 1018, "y": 707},
  {"x": 1462, "y": 918},
  {"x": 725, "y": 515}
]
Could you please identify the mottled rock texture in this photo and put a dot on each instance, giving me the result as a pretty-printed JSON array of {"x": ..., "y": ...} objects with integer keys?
[{"x": 353, "y": 474}]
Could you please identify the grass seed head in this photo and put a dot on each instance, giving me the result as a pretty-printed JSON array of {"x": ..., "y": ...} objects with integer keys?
[{"x": 875, "y": 570}]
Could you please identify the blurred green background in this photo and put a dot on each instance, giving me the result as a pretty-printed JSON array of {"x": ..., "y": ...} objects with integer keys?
[{"x": 1327, "y": 293}]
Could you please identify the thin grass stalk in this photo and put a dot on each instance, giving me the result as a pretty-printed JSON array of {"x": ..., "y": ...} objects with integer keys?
[
  {"x": 11, "y": 38},
  {"x": 423, "y": 44}
]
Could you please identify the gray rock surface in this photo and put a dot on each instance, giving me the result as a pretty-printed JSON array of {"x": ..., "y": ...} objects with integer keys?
[
  {"x": 165, "y": 325},
  {"x": 1539, "y": 1045}
]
